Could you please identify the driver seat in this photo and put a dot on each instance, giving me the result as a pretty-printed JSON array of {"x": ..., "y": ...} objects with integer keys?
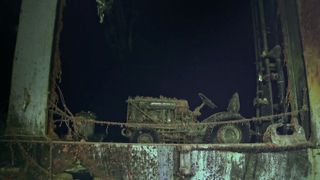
[
  {"x": 234, "y": 104},
  {"x": 231, "y": 113}
]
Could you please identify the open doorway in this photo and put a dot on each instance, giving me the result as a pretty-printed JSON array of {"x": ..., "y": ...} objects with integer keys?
[
  {"x": 176, "y": 49},
  {"x": 169, "y": 48}
]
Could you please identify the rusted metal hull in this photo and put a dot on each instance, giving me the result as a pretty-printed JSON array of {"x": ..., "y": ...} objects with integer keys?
[{"x": 165, "y": 161}]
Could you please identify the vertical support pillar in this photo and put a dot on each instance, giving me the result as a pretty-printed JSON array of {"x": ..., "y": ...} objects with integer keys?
[
  {"x": 309, "y": 25},
  {"x": 27, "y": 114},
  {"x": 293, "y": 52}
]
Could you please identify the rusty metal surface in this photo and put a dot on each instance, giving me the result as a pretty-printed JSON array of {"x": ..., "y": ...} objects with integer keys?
[
  {"x": 296, "y": 136},
  {"x": 294, "y": 59},
  {"x": 160, "y": 161},
  {"x": 138, "y": 161},
  {"x": 310, "y": 28},
  {"x": 31, "y": 68},
  {"x": 50, "y": 159},
  {"x": 174, "y": 122}
]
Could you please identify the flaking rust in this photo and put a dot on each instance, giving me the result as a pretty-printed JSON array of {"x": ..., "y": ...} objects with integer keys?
[
  {"x": 100, "y": 160},
  {"x": 165, "y": 113}
]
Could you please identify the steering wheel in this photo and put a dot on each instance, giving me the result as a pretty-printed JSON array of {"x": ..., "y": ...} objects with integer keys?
[{"x": 207, "y": 101}]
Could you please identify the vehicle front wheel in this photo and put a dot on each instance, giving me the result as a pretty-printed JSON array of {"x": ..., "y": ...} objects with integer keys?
[{"x": 145, "y": 136}]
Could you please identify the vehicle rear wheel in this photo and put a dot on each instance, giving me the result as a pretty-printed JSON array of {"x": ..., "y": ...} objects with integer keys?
[
  {"x": 145, "y": 136},
  {"x": 228, "y": 133}
]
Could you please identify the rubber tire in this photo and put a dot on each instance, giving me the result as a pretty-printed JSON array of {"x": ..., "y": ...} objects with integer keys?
[
  {"x": 138, "y": 132},
  {"x": 211, "y": 132}
]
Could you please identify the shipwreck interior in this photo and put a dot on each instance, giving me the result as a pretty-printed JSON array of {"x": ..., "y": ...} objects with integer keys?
[
  {"x": 171, "y": 53},
  {"x": 114, "y": 89},
  {"x": 138, "y": 49}
]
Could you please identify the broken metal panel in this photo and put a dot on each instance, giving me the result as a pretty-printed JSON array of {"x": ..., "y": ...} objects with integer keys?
[
  {"x": 309, "y": 26},
  {"x": 31, "y": 68},
  {"x": 296, "y": 136}
]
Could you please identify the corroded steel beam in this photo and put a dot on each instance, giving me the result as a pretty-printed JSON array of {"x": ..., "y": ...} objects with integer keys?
[
  {"x": 294, "y": 59},
  {"x": 31, "y": 68},
  {"x": 309, "y": 26}
]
